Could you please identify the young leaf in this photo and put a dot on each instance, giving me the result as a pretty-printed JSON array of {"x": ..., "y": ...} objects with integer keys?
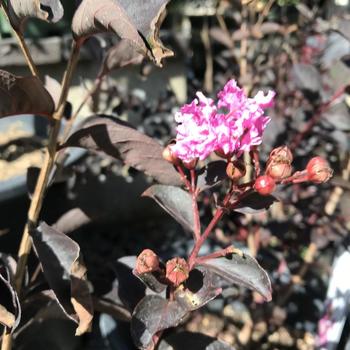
[
  {"x": 175, "y": 201},
  {"x": 66, "y": 274},
  {"x": 211, "y": 175},
  {"x": 151, "y": 315},
  {"x": 23, "y": 95},
  {"x": 193, "y": 341},
  {"x": 120, "y": 55},
  {"x": 241, "y": 269},
  {"x": 134, "y": 21},
  {"x": 46, "y": 10},
  {"x": 255, "y": 203},
  {"x": 10, "y": 308},
  {"x": 117, "y": 139}
]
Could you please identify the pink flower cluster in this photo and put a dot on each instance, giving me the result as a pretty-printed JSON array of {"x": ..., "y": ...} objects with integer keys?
[{"x": 232, "y": 126}]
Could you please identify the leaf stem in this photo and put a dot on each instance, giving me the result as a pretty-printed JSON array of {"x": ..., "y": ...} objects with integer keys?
[
  {"x": 217, "y": 254},
  {"x": 184, "y": 178},
  {"x": 216, "y": 218},
  {"x": 197, "y": 224}
]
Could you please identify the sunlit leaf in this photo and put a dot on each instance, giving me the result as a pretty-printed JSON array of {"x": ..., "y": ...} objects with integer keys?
[
  {"x": 24, "y": 95},
  {"x": 119, "y": 140},
  {"x": 241, "y": 269},
  {"x": 175, "y": 201},
  {"x": 65, "y": 272}
]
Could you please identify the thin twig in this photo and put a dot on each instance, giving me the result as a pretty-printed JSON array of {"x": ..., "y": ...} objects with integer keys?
[{"x": 96, "y": 85}]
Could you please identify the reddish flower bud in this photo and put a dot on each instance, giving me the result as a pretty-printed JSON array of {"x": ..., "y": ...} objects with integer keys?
[
  {"x": 169, "y": 156},
  {"x": 265, "y": 185},
  {"x": 177, "y": 271},
  {"x": 281, "y": 154},
  {"x": 190, "y": 164},
  {"x": 318, "y": 170},
  {"x": 235, "y": 170},
  {"x": 279, "y": 171},
  {"x": 147, "y": 261},
  {"x": 279, "y": 163}
]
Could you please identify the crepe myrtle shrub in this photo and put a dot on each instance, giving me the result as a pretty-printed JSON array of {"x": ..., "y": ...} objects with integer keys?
[{"x": 230, "y": 127}]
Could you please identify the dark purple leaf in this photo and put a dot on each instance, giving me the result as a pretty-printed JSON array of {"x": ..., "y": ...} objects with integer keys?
[
  {"x": 46, "y": 10},
  {"x": 24, "y": 95},
  {"x": 211, "y": 175},
  {"x": 151, "y": 315},
  {"x": 10, "y": 308},
  {"x": 193, "y": 341},
  {"x": 153, "y": 280},
  {"x": 119, "y": 140},
  {"x": 135, "y": 21},
  {"x": 126, "y": 290},
  {"x": 175, "y": 201},
  {"x": 120, "y": 55},
  {"x": 241, "y": 269},
  {"x": 66, "y": 274},
  {"x": 201, "y": 287},
  {"x": 255, "y": 203}
]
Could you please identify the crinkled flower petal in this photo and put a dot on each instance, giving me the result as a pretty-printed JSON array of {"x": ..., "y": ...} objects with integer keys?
[{"x": 203, "y": 129}]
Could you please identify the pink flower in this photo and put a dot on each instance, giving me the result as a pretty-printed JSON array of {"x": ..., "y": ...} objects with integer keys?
[
  {"x": 195, "y": 137},
  {"x": 234, "y": 126}
]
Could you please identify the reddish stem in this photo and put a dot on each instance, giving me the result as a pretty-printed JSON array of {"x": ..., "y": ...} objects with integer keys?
[
  {"x": 254, "y": 153},
  {"x": 218, "y": 254},
  {"x": 197, "y": 224},
  {"x": 184, "y": 178}
]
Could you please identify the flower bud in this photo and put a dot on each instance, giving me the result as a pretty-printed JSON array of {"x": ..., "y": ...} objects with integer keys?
[
  {"x": 318, "y": 170},
  {"x": 169, "y": 156},
  {"x": 235, "y": 170},
  {"x": 281, "y": 154},
  {"x": 265, "y": 185},
  {"x": 177, "y": 271},
  {"x": 147, "y": 261},
  {"x": 279, "y": 163}
]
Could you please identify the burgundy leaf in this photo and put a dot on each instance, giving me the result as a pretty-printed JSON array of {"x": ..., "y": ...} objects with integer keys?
[
  {"x": 66, "y": 274},
  {"x": 243, "y": 270},
  {"x": 24, "y": 95},
  {"x": 175, "y": 201},
  {"x": 120, "y": 55},
  {"x": 201, "y": 287},
  {"x": 255, "y": 203},
  {"x": 212, "y": 174},
  {"x": 135, "y": 21},
  {"x": 47, "y": 10},
  {"x": 121, "y": 141},
  {"x": 151, "y": 315}
]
